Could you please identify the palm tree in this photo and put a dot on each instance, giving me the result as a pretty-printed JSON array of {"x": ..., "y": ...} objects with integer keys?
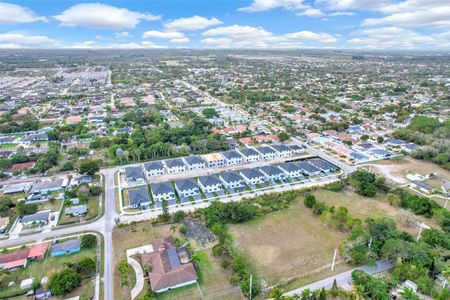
[
  {"x": 173, "y": 228},
  {"x": 276, "y": 294},
  {"x": 409, "y": 294},
  {"x": 357, "y": 293}
]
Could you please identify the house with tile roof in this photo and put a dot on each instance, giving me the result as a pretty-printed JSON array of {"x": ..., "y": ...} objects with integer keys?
[{"x": 168, "y": 270}]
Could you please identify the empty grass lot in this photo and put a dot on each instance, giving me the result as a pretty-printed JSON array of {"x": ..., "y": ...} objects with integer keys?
[{"x": 293, "y": 247}]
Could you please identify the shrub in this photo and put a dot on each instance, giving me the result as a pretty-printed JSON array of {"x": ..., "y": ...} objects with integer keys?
[
  {"x": 179, "y": 216},
  {"x": 88, "y": 241},
  {"x": 309, "y": 201}
]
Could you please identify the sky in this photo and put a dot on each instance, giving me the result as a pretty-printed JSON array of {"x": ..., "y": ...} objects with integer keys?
[{"x": 225, "y": 24}]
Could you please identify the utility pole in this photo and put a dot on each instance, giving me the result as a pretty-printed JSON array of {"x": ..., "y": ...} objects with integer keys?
[
  {"x": 334, "y": 259},
  {"x": 251, "y": 282}
]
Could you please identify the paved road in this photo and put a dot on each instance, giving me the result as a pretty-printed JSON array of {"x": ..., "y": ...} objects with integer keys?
[{"x": 344, "y": 279}]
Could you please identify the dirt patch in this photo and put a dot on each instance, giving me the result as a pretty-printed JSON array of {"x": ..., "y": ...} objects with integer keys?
[{"x": 197, "y": 232}]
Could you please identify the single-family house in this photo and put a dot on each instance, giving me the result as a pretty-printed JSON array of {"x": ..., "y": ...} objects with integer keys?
[
  {"x": 76, "y": 211},
  {"x": 186, "y": 188},
  {"x": 282, "y": 150},
  {"x": 232, "y": 157},
  {"x": 195, "y": 162},
  {"x": 39, "y": 218},
  {"x": 175, "y": 165},
  {"x": 139, "y": 197},
  {"x": 169, "y": 270},
  {"x": 210, "y": 183},
  {"x": 381, "y": 153},
  {"x": 266, "y": 152},
  {"x": 154, "y": 168},
  {"x": 163, "y": 191},
  {"x": 426, "y": 188},
  {"x": 16, "y": 188},
  {"x": 65, "y": 248},
  {"x": 214, "y": 160},
  {"x": 231, "y": 180},
  {"x": 45, "y": 187},
  {"x": 272, "y": 173},
  {"x": 249, "y": 154},
  {"x": 253, "y": 176}
]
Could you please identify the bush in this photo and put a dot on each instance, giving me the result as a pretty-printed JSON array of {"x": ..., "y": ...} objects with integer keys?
[
  {"x": 337, "y": 186},
  {"x": 88, "y": 241},
  {"x": 319, "y": 208},
  {"x": 179, "y": 216},
  {"x": 63, "y": 282},
  {"x": 182, "y": 230},
  {"x": 309, "y": 201}
]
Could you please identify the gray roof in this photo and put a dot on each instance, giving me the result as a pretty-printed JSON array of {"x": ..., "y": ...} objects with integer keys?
[
  {"x": 423, "y": 185},
  {"x": 134, "y": 172},
  {"x": 248, "y": 152},
  {"x": 231, "y": 176},
  {"x": 45, "y": 185},
  {"x": 381, "y": 152},
  {"x": 280, "y": 148},
  {"x": 176, "y": 162},
  {"x": 295, "y": 147},
  {"x": 79, "y": 209},
  {"x": 265, "y": 150},
  {"x": 192, "y": 160},
  {"x": 139, "y": 195},
  {"x": 162, "y": 188},
  {"x": 186, "y": 184},
  {"x": 230, "y": 154},
  {"x": 290, "y": 167},
  {"x": 37, "y": 217},
  {"x": 271, "y": 170},
  {"x": 66, "y": 246},
  {"x": 209, "y": 180},
  {"x": 321, "y": 164},
  {"x": 251, "y": 173},
  {"x": 309, "y": 168},
  {"x": 154, "y": 165}
]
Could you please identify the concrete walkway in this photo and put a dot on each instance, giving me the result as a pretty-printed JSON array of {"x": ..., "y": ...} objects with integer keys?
[
  {"x": 343, "y": 279},
  {"x": 139, "y": 277}
]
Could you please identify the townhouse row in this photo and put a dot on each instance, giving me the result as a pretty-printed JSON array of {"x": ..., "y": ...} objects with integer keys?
[
  {"x": 217, "y": 183},
  {"x": 137, "y": 174}
]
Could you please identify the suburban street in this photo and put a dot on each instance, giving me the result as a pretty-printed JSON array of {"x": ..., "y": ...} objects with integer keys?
[
  {"x": 343, "y": 279},
  {"x": 105, "y": 224}
]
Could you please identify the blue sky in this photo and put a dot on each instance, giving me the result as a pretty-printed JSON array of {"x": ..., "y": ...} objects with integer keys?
[{"x": 219, "y": 24}]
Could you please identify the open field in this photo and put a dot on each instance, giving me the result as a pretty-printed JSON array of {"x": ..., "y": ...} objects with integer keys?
[
  {"x": 288, "y": 244},
  {"x": 293, "y": 247},
  {"x": 396, "y": 170}
]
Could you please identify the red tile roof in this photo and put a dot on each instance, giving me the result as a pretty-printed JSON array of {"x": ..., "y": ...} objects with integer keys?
[{"x": 22, "y": 166}]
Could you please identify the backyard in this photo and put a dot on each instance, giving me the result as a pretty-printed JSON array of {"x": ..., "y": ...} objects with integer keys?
[{"x": 45, "y": 267}]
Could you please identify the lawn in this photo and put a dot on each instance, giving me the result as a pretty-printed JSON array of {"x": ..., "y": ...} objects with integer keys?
[
  {"x": 45, "y": 267},
  {"x": 287, "y": 245},
  {"x": 124, "y": 238},
  {"x": 213, "y": 281}
]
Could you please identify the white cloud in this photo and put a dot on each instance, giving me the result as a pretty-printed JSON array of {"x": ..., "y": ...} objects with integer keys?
[
  {"x": 15, "y": 14},
  {"x": 263, "y": 5},
  {"x": 26, "y": 41},
  {"x": 180, "y": 40},
  {"x": 399, "y": 38},
  {"x": 122, "y": 35},
  {"x": 312, "y": 12},
  {"x": 414, "y": 13},
  {"x": 354, "y": 4},
  {"x": 101, "y": 16},
  {"x": 163, "y": 34},
  {"x": 95, "y": 45},
  {"x": 191, "y": 23},
  {"x": 237, "y": 36}
]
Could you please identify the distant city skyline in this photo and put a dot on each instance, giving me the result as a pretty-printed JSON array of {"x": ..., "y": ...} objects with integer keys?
[{"x": 220, "y": 24}]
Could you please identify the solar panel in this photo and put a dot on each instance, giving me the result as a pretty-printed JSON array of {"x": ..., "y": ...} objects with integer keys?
[{"x": 173, "y": 257}]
